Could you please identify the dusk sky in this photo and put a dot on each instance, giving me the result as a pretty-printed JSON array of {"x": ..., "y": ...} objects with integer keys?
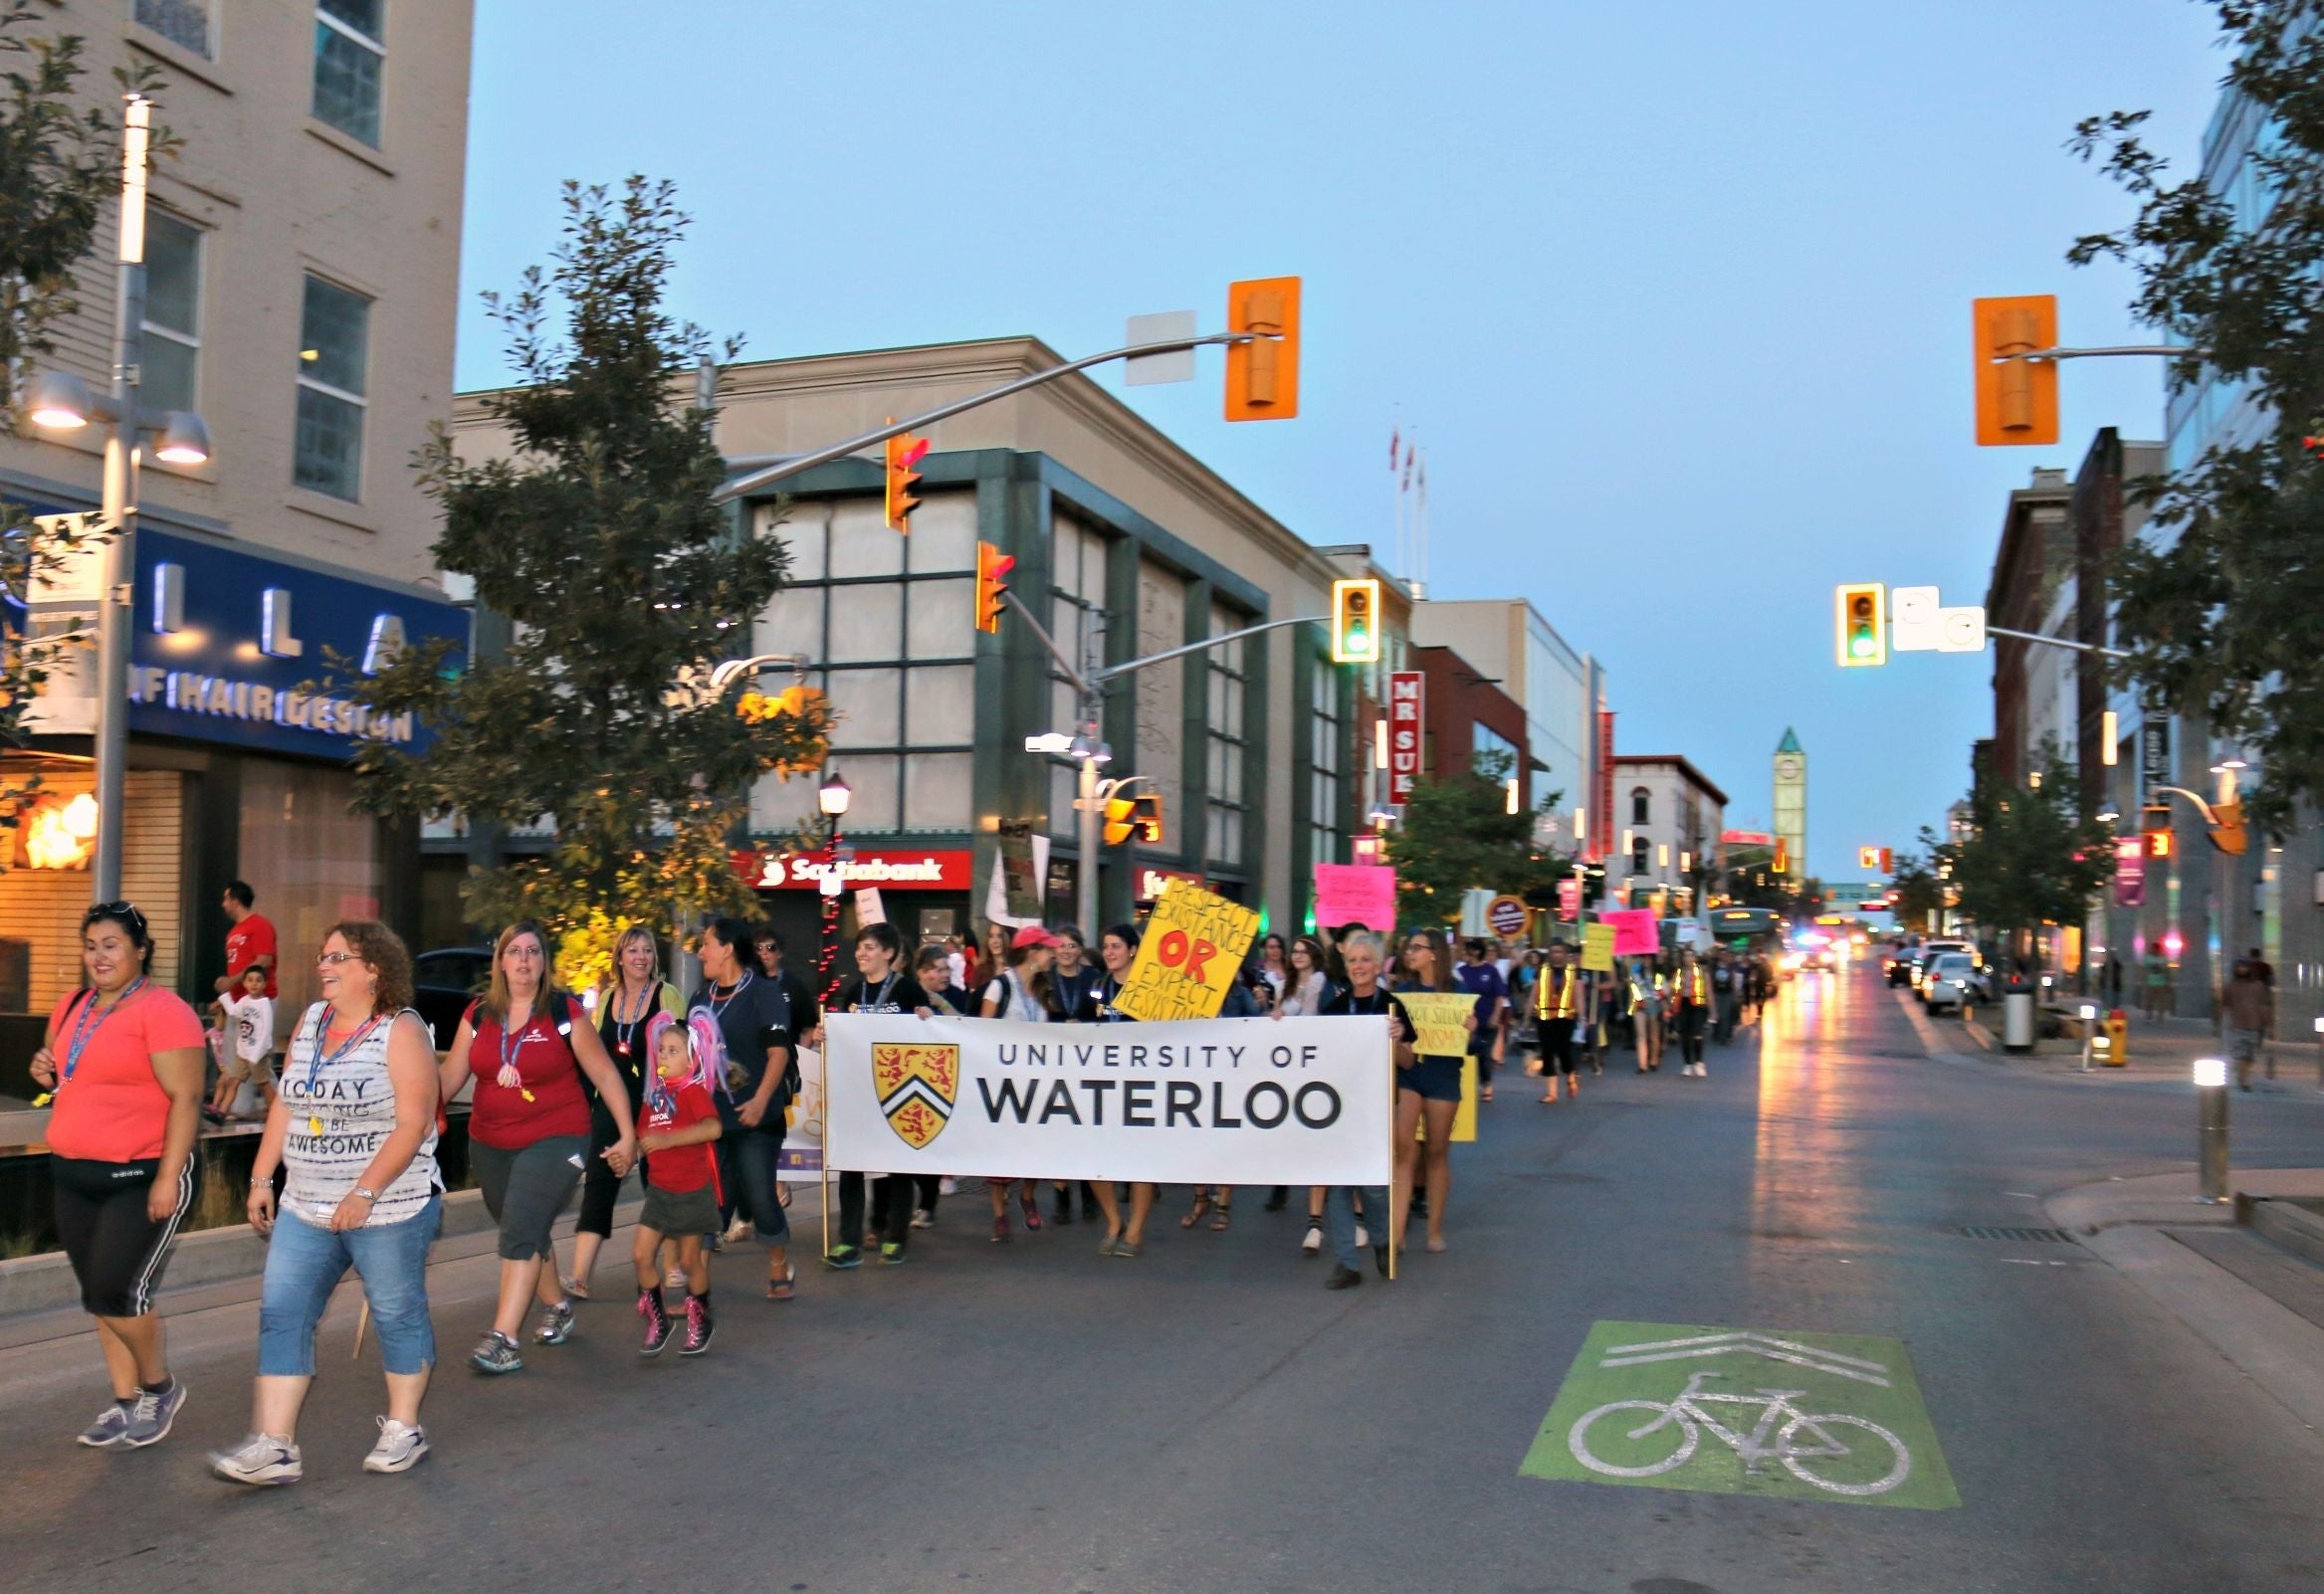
[{"x": 1676, "y": 296}]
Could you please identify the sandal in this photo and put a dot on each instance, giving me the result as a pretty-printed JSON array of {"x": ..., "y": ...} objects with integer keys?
[
  {"x": 1032, "y": 1212},
  {"x": 1220, "y": 1223},
  {"x": 784, "y": 1288},
  {"x": 1202, "y": 1205},
  {"x": 1128, "y": 1250}
]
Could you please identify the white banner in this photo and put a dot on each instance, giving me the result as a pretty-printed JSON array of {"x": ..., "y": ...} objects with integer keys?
[
  {"x": 802, "y": 1161},
  {"x": 1298, "y": 1101}
]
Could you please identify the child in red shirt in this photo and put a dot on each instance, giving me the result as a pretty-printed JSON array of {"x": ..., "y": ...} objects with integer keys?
[{"x": 682, "y": 1176}]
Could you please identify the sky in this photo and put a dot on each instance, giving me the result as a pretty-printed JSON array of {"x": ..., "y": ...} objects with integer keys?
[{"x": 1675, "y": 295}]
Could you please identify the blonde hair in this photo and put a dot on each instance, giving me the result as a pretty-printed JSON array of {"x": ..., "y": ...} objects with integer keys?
[{"x": 621, "y": 946}]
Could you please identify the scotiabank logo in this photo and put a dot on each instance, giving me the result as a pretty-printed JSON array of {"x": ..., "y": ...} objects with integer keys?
[{"x": 935, "y": 869}]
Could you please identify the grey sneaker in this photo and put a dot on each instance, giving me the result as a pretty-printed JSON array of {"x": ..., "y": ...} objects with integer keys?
[
  {"x": 557, "y": 1324},
  {"x": 150, "y": 1416},
  {"x": 922, "y": 1218},
  {"x": 400, "y": 1448},
  {"x": 107, "y": 1431},
  {"x": 261, "y": 1461},
  {"x": 495, "y": 1352}
]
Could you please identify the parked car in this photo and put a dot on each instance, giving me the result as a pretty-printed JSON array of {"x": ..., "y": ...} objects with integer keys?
[
  {"x": 444, "y": 982},
  {"x": 1929, "y": 952},
  {"x": 1952, "y": 979}
]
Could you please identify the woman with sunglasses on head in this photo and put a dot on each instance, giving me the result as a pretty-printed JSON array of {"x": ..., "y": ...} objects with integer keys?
[
  {"x": 526, "y": 1046},
  {"x": 633, "y": 995},
  {"x": 1427, "y": 1090},
  {"x": 354, "y": 1129},
  {"x": 123, "y": 1059}
]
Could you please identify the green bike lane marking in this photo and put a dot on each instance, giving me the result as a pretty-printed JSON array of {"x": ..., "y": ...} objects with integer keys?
[{"x": 1791, "y": 1416}]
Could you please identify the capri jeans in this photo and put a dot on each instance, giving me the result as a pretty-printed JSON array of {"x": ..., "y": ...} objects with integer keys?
[
  {"x": 305, "y": 1262},
  {"x": 758, "y": 1156}
]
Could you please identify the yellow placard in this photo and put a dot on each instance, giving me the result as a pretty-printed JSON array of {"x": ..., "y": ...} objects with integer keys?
[
  {"x": 1464, "y": 1119},
  {"x": 1597, "y": 948},
  {"x": 1441, "y": 1019},
  {"x": 1194, "y": 944}
]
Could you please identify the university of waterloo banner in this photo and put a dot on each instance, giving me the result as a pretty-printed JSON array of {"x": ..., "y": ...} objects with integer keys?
[{"x": 1298, "y": 1101}]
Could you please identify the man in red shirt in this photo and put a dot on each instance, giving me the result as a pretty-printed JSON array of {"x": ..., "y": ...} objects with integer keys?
[{"x": 251, "y": 941}]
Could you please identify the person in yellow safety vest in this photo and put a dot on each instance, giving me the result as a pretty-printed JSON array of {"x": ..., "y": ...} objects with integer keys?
[
  {"x": 1558, "y": 998},
  {"x": 1694, "y": 1011}
]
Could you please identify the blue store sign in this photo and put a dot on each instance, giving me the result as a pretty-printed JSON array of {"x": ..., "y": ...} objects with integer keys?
[{"x": 231, "y": 645}]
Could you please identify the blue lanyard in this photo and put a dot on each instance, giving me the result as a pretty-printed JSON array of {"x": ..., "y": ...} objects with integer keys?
[
  {"x": 84, "y": 1030},
  {"x": 507, "y": 1052},
  {"x": 317, "y": 1062},
  {"x": 879, "y": 1003}
]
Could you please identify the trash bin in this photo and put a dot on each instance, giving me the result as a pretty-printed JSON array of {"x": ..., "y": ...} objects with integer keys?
[
  {"x": 2117, "y": 1039},
  {"x": 2017, "y": 1016}
]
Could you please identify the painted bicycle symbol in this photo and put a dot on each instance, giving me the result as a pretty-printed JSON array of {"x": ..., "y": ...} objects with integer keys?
[{"x": 1666, "y": 1440}]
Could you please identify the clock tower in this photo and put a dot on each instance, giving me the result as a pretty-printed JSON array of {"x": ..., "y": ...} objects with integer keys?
[{"x": 1792, "y": 801}]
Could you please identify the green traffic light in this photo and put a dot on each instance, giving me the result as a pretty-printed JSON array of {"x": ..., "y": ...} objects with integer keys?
[
  {"x": 1356, "y": 642},
  {"x": 1862, "y": 645}
]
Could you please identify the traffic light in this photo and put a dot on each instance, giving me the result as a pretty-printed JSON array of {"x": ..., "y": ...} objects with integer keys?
[
  {"x": 1862, "y": 618},
  {"x": 1868, "y": 858},
  {"x": 1887, "y": 861},
  {"x": 991, "y": 590},
  {"x": 1783, "y": 860},
  {"x": 2154, "y": 826},
  {"x": 1119, "y": 812},
  {"x": 1355, "y": 622},
  {"x": 904, "y": 453},
  {"x": 2016, "y": 400},
  {"x": 2226, "y": 829},
  {"x": 1262, "y": 375}
]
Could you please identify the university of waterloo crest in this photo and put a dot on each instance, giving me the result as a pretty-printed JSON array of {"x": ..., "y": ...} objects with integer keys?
[{"x": 916, "y": 1086}]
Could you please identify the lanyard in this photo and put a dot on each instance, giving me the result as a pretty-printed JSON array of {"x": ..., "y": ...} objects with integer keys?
[
  {"x": 317, "y": 1062},
  {"x": 624, "y": 1028},
  {"x": 91, "y": 1020},
  {"x": 719, "y": 1004},
  {"x": 1373, "y": 1004},
  {"x": 880, "y": 1002}
]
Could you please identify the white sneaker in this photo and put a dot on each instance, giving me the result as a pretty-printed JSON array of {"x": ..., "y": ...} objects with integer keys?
[
  {"x": 402, "y": 1448},
  {"x": 259, "y": 1461},
  {"x": 922, "y": 1218},
  {"x": 1313, "y": 1242},
  {"x": 737, "y": 1231},
  {"x": 947, "y": 1185}
]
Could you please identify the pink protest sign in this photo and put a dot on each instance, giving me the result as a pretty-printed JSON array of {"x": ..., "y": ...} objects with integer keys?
[
  {"x": 1634, "y": 931},
  {"x": 1355, "y": 894}
]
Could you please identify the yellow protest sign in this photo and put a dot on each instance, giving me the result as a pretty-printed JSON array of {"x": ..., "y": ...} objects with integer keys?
[
  {"x": 1464, "y": 1118},
  {"x": 1597, "y": 948},
  {"x": 1194, "y": 944},
  {"x": 1441, "y": 1017}
]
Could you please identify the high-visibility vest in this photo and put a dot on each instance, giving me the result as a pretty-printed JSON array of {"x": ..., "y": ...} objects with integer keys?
[
  {"x": 1561, "y": 1004},
  {"x": 1699, "y": 988}
]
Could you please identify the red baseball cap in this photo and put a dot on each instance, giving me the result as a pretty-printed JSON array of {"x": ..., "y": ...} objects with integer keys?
[{"x": 1034, "y": 935}]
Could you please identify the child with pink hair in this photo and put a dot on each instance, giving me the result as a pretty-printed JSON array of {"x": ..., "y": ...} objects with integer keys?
[{"x": 682, "y": 1175}]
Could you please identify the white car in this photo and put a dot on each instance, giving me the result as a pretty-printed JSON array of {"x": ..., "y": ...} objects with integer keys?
[
  {"x": 1927, "y": 954},
  {"x": 1951, "y": 980}
]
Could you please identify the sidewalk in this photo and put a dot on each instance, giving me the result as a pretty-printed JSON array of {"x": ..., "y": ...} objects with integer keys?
[
  {"x": 2161, "y": 1054},
  {"x": 2259, "y": 1307}
]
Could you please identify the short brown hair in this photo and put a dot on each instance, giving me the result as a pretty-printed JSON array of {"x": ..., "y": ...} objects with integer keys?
[{"x": 390, "y": 959}]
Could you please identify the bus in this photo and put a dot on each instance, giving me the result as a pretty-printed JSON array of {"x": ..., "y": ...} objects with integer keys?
[{"x": 1749, "y": 929}]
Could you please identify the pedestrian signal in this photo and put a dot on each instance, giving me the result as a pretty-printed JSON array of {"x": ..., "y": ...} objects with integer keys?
[
  {"x": 1262, "y": 375},
  {"x": 2155, "y": 828},
  {"x": 2016, "y": 399},
  {"x": 905, "y": 452},
  {"x": 1862, "y": 618},
  {"x": 1783, "y": 858},
  {"x": 1355, "y": 622},
  {"x": 1868, "y": 858},
  {"x": 991, "y": 590},
  {"x": 1147, "y": 820}
]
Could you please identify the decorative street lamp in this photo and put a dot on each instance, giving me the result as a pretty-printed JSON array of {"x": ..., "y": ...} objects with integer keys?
[{"x": 832, "y": 797}]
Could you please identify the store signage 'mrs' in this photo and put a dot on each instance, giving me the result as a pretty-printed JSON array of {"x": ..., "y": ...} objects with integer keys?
[{"x": 229, "y": 644}]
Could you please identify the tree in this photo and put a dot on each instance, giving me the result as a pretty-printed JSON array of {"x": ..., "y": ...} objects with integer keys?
[
  {"x": 624, "y": 584},
  {"x": 1917, "y": 894},
  {"x": 60, "y": 161},
  {"x": 2218, "y": 604},
  {"x": 1751, "y": 880},
  {"x": 1459, "y": 835},
  {"x": 2029, "y": 857}
]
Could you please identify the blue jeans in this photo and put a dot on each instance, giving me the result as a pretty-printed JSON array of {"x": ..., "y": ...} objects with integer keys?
[
  {"x": 757, "y": 1154},
  {"x": 1340, "y": 1219},
  {"x": 305, "y": 1262}
]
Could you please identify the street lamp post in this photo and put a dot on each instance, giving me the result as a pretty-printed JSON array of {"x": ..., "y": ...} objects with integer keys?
[
  {"x": 56, "y": 401},
  {"x": 832, "y": 798}
]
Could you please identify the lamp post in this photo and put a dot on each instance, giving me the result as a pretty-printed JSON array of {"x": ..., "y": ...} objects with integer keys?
[
  {"x": 832, "y": 798},
  {"x": 58, "y": 401}
]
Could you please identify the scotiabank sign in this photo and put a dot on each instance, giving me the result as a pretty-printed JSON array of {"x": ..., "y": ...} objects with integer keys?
[{"x": 933, "y": 870}]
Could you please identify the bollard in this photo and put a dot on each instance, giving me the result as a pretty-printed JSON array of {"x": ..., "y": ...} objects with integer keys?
[
  {"x": 2089, "y": 1028},
  {"x": 2211, "y": 1128}
]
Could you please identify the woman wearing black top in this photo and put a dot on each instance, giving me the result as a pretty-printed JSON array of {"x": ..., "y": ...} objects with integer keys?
[
  {"x": 758, "y": 1021},
  {"x": 879, "y": 986},
  {"x": 1364, "y": 997},
  {"x": 1116, "y": 950}
]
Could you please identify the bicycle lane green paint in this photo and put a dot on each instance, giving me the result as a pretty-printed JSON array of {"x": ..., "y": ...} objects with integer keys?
[{"x": 1854, "y": 1376}]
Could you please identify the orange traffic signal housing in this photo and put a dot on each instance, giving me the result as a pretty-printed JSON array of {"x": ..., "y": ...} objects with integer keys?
[
  {"x": 1147, "y": 820},
  {"x": 991, "y": 589},
  {"x": 904, "y": 453},
  {"x": 2226, "y": 829},
  {"x": 1120, "y": 825},
  {"x": 1262, "y": 375},
  {"x": 2016, "y": 400}
]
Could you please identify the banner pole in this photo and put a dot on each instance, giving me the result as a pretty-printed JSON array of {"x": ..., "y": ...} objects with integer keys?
[
  {"x": 1391, "y": 1214},
  {"x": 823, "y": 1162}
]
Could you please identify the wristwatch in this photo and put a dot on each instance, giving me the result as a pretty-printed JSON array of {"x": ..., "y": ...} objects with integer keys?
[{"x": 371, "y": 1196}]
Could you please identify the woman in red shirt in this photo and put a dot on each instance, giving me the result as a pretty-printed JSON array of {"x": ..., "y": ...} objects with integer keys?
[
  {"x": 527, "y": 1044},
  {"x": 125, "y": 1059}
]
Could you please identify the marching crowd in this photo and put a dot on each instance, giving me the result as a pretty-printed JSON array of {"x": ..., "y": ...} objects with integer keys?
[{"x": 693, "y": 1090}]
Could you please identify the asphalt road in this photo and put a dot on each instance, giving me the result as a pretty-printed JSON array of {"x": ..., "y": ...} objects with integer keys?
[{"x": 1034, "y": 1420}]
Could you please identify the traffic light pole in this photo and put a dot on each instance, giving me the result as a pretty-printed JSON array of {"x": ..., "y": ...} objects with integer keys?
[
  {"x": 756, "y": 481},
  {"x": 2056, "y": 642}
]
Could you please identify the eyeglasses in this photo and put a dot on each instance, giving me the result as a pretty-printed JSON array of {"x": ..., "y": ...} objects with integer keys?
[
  {"x": 339, "y": 957},
  {"x": 125, "y": 910}
]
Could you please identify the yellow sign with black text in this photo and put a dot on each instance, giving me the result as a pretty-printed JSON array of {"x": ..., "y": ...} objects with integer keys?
[{"x": 1194, "y": 944}]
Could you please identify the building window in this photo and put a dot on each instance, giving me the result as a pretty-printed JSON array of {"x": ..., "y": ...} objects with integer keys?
[
  {"x": 1326, "y": 749},
  {"x": 334, "y": 330},
  {"x": 1641, "y": 805},
  {"x": 1490, "y": 751},
  {"x": 1223, "y": 782},
  {"x": 184, "y": 23},
  {"x": 1077, "y": 611},
  {"x": 351, "y": 56},
  {"x": 1641, "y": 855},
  {"x": 169, "y": 360}
]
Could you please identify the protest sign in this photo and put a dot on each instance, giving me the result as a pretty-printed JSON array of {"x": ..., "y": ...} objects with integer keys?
[
  {"x": 1441, "y": 1017},
  {"x": 1597, "y": 947},
  {"x": 869, "y": 909},
  {"x": 1634, "y": 931},
  {"x": 1355, "y": 894},
  {"x": 1193, "y": 947},
  {"x": 1297, "y": 1100},
  {"x": 1465, "y": 1117}
]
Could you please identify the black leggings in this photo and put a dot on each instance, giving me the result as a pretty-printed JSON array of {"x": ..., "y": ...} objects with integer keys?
[
  {"x": 116, "y": 1250},
  {"x": 1556, "y": 1047},
  {"x": 600, "y": 1185},
  {"x": 1690, "y": 1031}
]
